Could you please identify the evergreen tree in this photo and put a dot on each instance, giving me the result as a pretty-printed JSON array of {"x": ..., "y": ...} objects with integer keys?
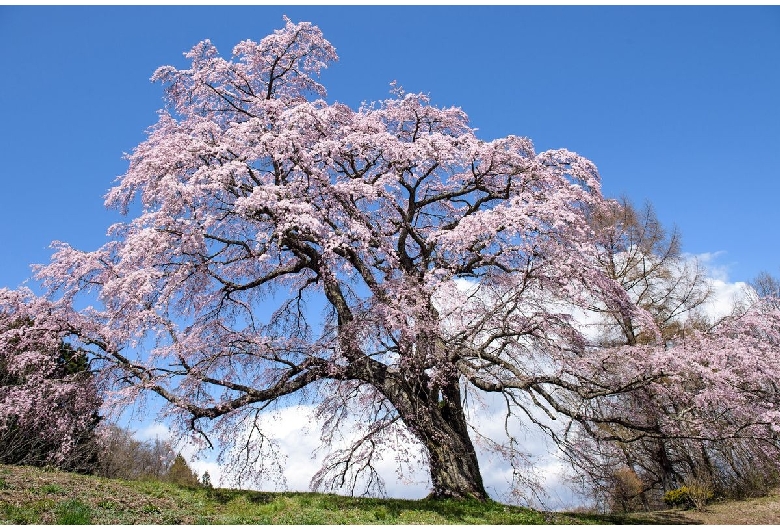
[{"x": 181, "y": 473}]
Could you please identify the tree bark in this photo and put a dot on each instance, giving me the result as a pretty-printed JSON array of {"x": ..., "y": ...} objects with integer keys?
[
  {"x": 454, "y": 465},
  {"x": 437, "y": 418}
]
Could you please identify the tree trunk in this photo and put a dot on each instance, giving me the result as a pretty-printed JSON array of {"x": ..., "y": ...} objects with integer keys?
[
  {"x": 453, "y": 460},
  {"x": 438, "y": 420},
  {"x": 666, "y": 468}
]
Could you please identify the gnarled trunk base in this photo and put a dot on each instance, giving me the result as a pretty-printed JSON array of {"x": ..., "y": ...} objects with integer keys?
[
  {"x": 440, "y": 424},
  {"x": 455, "y": 471}
]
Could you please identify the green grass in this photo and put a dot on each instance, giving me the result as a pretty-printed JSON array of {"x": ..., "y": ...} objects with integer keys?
[
  {"x": 54, "y": 489},
  {"x": 35, "y": 496},
  {"x": 73, "y": 511}
]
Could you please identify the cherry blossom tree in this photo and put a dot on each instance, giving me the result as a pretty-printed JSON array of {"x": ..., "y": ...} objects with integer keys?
[
  {"x": 48, "y": 398},
  {"x": 646, "y": 259},
  {"x": 637, "y": 252},
  {"x": 385, "y": 262},
  {"x": 710, "y": 413}
]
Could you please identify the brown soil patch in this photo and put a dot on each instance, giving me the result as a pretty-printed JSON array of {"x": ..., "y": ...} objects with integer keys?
[{"x": 763, "y": 510}]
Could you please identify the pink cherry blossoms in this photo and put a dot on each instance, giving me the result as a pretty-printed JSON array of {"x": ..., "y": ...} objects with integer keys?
[{"x": 48, "y": 398}]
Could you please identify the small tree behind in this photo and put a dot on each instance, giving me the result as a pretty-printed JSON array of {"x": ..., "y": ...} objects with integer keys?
[
  {"x": 181, "y": 473},
  {"x": 767, "y": 286},
  {"x": 646, "y": 259}
]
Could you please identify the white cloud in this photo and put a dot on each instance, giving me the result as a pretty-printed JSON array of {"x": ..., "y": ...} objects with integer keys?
[
  {"x": 297, "y": 435},
  {"x": 296, "y": 431},
  {"x": 716, "y": 271},
  {"x": 725, "y": 293},
  {"x": 153, "y": 431}
]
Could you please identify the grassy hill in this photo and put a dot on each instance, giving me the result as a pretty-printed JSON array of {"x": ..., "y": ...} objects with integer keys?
[{"x": 34, "y": 496}]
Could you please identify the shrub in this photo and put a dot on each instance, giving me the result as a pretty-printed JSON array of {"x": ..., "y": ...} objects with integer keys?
[
  {"x": 689, "y": 496},
  {"x": 678, "y": 498},
  {"x": 700, "y": 492},
  {"x": 625, "y": 491}
]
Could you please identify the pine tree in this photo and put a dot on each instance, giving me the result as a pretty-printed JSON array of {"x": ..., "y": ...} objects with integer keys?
[{"x": 181, "y": 473}]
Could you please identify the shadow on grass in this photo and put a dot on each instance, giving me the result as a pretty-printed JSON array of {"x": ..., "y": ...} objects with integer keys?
[
  {"x": 382, "y": 509},
  {"x": 453, "y": 511},
  {"x": 224, "y": 496},
  {"x": 306, "y": 504}
]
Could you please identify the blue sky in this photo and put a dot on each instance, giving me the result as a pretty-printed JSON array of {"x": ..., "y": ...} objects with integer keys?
[{"x": 676, "y": 105}]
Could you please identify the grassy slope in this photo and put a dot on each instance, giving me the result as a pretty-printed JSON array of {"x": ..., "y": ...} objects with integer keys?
[{"x": 31, "y": 495}]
